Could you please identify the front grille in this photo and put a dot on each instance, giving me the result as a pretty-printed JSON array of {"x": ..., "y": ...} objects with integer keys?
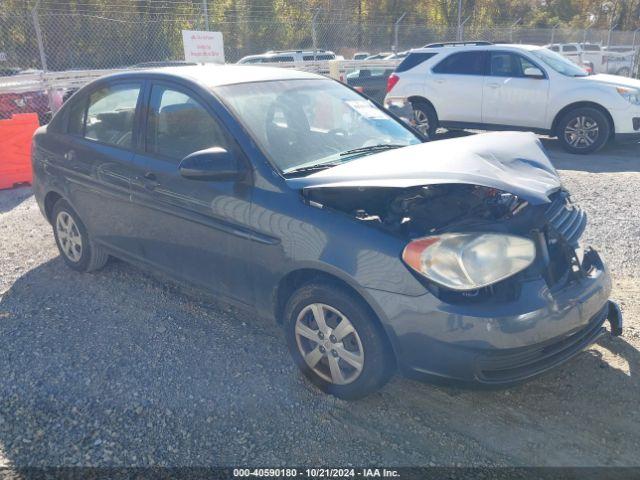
[{"x": 566, "y": 219}]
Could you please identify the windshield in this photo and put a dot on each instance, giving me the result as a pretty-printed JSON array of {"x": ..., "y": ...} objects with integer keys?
[
  {"x": 559, "y": 63},
  {"x": 305, "y": 123}
]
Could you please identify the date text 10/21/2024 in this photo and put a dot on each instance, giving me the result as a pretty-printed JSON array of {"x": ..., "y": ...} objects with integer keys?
[{"x": 316, "y": 472}]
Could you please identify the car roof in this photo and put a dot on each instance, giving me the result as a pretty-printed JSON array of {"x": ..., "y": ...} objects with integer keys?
[
  {"x": 496, "y": 46},
  {"x": 211, "y": 76}
]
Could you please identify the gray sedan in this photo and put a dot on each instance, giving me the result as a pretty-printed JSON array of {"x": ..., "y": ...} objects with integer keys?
[{"x": 295, "y": 197}]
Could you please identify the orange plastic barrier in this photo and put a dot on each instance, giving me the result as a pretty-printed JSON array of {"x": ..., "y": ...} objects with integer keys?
[{"x": 15, "y": 149}]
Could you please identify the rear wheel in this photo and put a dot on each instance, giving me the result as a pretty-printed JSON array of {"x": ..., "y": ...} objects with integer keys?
[
  {"x": 426, "y": 118},
  {"x": 335, "y": 342},
  {"x": 583, "y": 130},
  {"x": 75, "y": 246}
]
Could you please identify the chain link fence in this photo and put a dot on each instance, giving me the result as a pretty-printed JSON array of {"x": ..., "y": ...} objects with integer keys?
[{"x": 50, "y": 40}]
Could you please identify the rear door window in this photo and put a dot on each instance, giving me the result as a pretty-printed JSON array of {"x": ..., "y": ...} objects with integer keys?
[
  {"x": 463, "y": 63},
  {"x": 110, "y": 114}
]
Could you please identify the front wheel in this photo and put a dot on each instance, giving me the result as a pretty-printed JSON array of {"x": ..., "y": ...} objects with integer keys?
[
  {"x": 335, "y": 341},
  {"x": 583, "y": 130}
]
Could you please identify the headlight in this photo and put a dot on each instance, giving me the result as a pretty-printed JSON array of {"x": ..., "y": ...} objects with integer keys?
[
  {"x": 630, "y": 94},
  {"x": 466, "y": 261}
]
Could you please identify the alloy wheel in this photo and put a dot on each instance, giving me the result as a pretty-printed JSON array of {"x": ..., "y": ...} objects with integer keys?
[
  {"x": 69, "y": 236},
  {"x": 581, "y": 132},
  {"x": 329, "y": 344},
  {"x": 422, "y": 121}
]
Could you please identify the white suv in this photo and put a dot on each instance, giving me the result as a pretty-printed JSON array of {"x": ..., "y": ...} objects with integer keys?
[{"x": 515, "y": 87}]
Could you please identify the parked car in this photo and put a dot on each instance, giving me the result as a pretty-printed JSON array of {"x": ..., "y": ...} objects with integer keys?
[
  {"x": 289, "y": 56},
  {"x": 379, "y": 56},
  {"x": 360, "y": 55},
  {"x": 290, "y": 194},
  {"x": 516, "y": 87},
  {"x": 601, "y": 59},
  {"x": 370, "y": 81},
  {"x": 31, "y": 101},
  {"x": 398, "y": 55}
]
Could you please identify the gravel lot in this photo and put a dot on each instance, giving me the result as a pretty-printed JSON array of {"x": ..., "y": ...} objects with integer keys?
[{"x": 119, "y": 368}]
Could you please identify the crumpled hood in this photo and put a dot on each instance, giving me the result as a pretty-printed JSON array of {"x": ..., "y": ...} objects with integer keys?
[
  {"x": 514, "y": 162},
  {"x": 613, "y": 80}
]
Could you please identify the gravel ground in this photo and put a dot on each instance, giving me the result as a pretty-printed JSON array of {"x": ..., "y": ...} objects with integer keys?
[{"x": 119, "y": 368}]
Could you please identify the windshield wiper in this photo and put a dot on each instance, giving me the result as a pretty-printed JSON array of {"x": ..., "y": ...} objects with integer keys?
[
  {"x": 371, "y": 149},
  {"x": 312, "y": 168},
  {"x": 356, "y": 151}
]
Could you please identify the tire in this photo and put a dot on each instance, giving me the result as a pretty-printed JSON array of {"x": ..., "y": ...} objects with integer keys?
[
  {"x": 576, "y": 130},
  {"x": 366, "y": 345},
  {"x": 426, "y": 119},
  {"x": 74, "y": 243}
]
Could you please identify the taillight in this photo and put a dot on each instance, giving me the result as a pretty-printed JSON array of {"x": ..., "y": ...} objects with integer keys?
[
  {"x": 359, "y": 89},
  {"x": 391, "y": 81}
]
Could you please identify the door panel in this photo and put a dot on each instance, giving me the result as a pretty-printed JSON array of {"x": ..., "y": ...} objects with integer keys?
[
  {"x": 455, "y": 87},
  {"x": 98, "y": 161},
  {"x": 193, "y": 229},
  {"x": 510, "y": 98}
]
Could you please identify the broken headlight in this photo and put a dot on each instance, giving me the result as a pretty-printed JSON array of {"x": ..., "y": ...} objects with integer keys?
[{"x": 467, "y": 261}]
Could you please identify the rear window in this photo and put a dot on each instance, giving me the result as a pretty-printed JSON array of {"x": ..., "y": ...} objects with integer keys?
[
  {"x": 320, "y": 56},
  {"x": 413, "y": 60},
  {"x": 463, "y": 63}
]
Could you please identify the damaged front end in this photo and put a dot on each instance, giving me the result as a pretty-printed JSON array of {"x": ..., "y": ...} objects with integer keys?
[
  {"x": 431, "y": 211},
  {"x": 500, "y": 184}
]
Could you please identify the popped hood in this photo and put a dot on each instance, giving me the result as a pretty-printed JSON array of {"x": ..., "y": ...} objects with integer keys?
[{"x": 514, "y": 162}]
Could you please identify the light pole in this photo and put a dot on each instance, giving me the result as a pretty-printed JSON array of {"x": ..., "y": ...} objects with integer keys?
[
  {"x": 592, "y": 20},
  {"x": 511, "y": 29},
  {"x": 396, "y": 26},
  {"x": 459, "y": 34},
  {"x": 206, "y": 14},
  {"x": 610, "y": 9},
  {"x": 553, "y": 32},
  {"x": 634, "y": 61},
  {"x": 462, "y": 28},
  {"x": 314, "y": 32}
]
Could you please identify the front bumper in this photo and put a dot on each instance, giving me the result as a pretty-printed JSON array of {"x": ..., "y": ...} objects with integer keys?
[
  {"x": 500, "y": 343},
  {"x": 626, "y": 124}
]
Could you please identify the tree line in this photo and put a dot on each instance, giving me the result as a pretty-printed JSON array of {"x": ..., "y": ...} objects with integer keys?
[{"x": 111, "y": 33}]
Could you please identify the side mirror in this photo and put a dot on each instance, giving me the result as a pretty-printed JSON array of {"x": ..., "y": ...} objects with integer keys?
[
  {"x": 533, "y": 72},
  {"x": 214, "y": 163}
]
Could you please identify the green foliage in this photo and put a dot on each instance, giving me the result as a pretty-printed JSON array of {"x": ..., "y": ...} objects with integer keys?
[{"x": 113, "y": 33}]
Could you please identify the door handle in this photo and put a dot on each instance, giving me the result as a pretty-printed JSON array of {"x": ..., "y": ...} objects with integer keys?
[
  {"x": 150, "y": 181},
  {"x": 493, "y": 85}
]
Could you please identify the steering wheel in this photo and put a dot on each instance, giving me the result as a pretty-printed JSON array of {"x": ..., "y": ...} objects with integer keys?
[{"x": 290, "y": 138}]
